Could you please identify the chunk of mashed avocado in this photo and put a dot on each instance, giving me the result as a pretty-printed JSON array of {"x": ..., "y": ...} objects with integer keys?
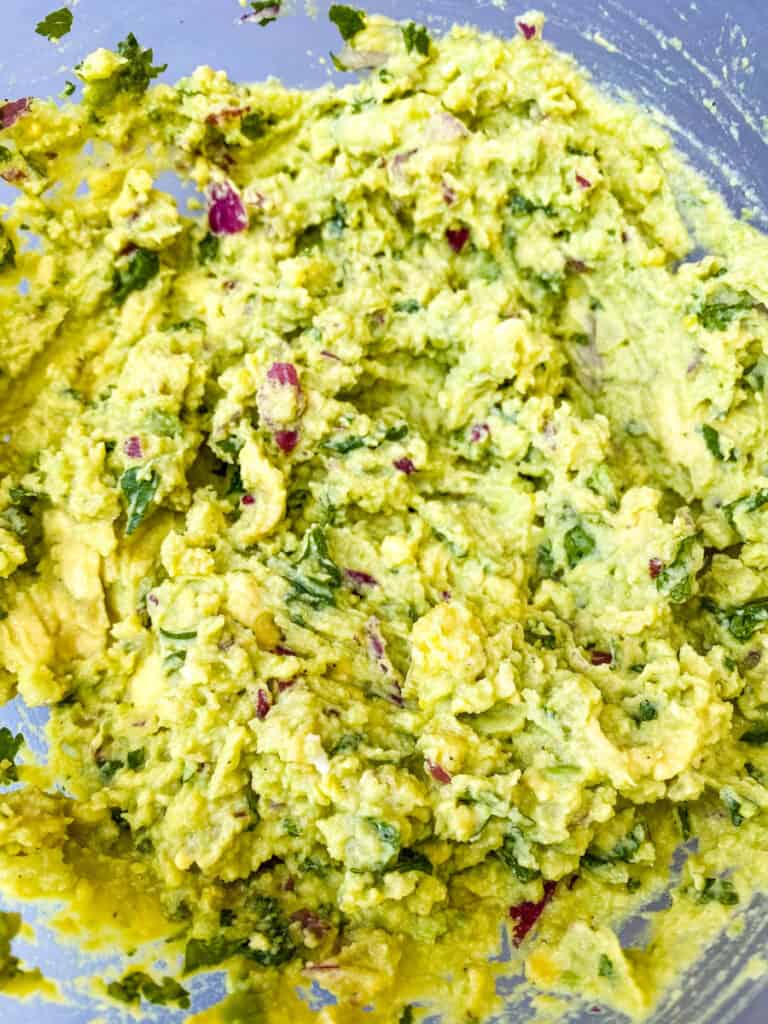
[{"x": 389, "y": 545}]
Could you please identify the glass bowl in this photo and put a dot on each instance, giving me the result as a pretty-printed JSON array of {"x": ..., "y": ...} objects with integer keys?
[{"x": 699, "y": 63}]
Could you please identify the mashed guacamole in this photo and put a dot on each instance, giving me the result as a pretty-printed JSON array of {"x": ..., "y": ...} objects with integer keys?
[{"x": 386, "y": 533}]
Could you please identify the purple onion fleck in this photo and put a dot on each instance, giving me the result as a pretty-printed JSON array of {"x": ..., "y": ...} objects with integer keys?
[{"x": 226, "y": 213}]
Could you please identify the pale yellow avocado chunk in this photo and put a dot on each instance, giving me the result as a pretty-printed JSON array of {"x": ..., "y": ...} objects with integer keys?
[{"x": 386, "y": 534}]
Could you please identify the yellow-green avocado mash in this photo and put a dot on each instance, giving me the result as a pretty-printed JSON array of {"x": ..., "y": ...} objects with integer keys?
[{"x": 387, "y": 534}]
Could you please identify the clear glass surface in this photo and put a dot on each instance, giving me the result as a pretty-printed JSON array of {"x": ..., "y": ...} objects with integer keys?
[{"x": 701, "y": 64}]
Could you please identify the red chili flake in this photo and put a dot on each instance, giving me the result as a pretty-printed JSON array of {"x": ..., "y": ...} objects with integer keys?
[
  {"x": 457, "y": 238},
  {"x": 584, "y": 182},
  {"x": 479, "y": 432},
  {"x": 286, "y": 652},
  {"x": 446, "y": 595},
  {"x": 529, "y": 31},
  {"x": 405, "y": 465},
  {"x": 449, "y": 195},
  {"x": 525, "y": 915},
  {"x": 263, "y": 704},
  {"x": 286, "y": 440},
  {"x": 132, "y": 448},
  {"x": 600, "y": 657},
  {"x": 12, "y": 111},
  {"x": 248, "y": 499},
  {"x": 438, "y": 773},
  {"x": 655, "y": 565},
  {"x": 310, "y": 922},
  {"x": 285, "y": 684}
]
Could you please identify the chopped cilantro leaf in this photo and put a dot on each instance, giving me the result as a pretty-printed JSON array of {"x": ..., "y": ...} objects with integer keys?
[
  {"x": 136, "y": 759},
  {"x": 387, "y": 833},
  {"x": 718, "y": 890},
  {"x": 56, "y": 24},
  {"x": 136, "y": 985},
  {"x": 416, "y": 38},
  {"x": 645, "y": 711},
  {"x": 712, "y": 441},
  {"x": 255, "y": 124},
  {"x": 208, "y": 248},
  {"x": 578, "y": 544},
  {"x": 684, "y": 817},
  {"x": 269, "y": 8},
  {"x": 108, "y": 769},
  {"x": 757, "y": 736},
  {"x": 132, "y": 77},
  {"x": 605, "y": 966},
  {"x": 142, "y": 266},
  {"x": 676, "y": 579},
  {"x": 139, "y": 493},
  {"x": 741, "y": 622},
  {"x": 716, "y": 316},
  {"x": 9, "y": 748},
  {"x": 348, "y": 20},
  {"x": 508, "y": 855}
]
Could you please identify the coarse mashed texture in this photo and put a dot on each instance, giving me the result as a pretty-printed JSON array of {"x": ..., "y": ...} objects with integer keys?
[{"x": 387, "y": 537}]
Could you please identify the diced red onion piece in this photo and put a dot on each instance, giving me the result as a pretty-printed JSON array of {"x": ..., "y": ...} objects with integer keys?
[
  {"x": 226, "y": 213},
  {"x": 248, "y": 499},
  {"x": 525, "y": 915},
  {"x": 132, "y": 448},
  {"x": 283, "y": 373},
  {"x": 529, "y": 31},
  {"x": 583, "y": 182},
  {"x": 263, "y": 703},
  {"x": 405, "y": 465},
  {"x": 438, "y": 773},
  {"x": 398, "y": 160},
  {"x": 457, "y": 238},
  {"x": 359, "y": 580},
  {"x": 655, "y": 565},
  {"x": 286, "y": 440},
  {"x": 378, "y": 653},
  {"x": 11, "y": 112},
  {"x": 600, "y": 657},
  {"x": 479, "y": 432}
]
